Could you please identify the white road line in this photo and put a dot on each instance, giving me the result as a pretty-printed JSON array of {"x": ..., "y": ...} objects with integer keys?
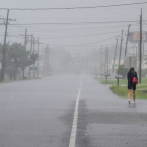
[{"x": 75, "y": 120}]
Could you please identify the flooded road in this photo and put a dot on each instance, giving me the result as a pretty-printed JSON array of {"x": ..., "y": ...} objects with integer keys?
[{"x": 69, "y": 111}]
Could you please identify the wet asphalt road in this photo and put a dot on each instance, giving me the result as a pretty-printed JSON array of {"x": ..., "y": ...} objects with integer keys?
[{"x": 39, "y": 113}]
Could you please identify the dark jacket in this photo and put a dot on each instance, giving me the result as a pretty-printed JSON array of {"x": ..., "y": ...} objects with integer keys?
[{"x": 131, "y": 75}]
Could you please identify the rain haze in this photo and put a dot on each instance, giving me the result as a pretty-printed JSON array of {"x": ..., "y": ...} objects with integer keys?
[{"x": 64, "y": 73}]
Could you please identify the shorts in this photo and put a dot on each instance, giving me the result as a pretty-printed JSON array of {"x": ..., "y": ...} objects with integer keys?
[{"x": 131, "y": 86}]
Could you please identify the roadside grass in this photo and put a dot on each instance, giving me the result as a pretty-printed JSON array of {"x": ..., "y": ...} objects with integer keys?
[
  {"x": 113, "y": 81},
  {"x": 7, "y": 80},
  {"x": 122, "y": 90}
]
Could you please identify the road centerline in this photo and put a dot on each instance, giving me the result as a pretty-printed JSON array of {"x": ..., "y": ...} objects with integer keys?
[{"x": 75, "y": 121}]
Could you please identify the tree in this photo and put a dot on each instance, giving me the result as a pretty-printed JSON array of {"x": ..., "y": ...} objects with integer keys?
[
  {"x": 122, "y": 71},
  {"x": 21, "y": 57},
  {"x": 18, "y": 58}
]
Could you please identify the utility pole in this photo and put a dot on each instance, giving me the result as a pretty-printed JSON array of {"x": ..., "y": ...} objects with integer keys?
[
  {"x": 44, "y": 67},
  {"x": 107, "y": 60},
  {"x": 48, "y": 64},
  {"x": 140, "y": 68},
  {"x": 121, "y": 47},
  {"x": 101, "y": 59},
  {"x": 25, "y": 43},
  {"x": 37, "y": 66},
  {"x": 115, "y": 54},
  {"x": 87, "y": 61},
  {"x": 101, "y": 63},
  {"x": 31, "y": 50},
  {"x": 38, "y": 59},
  {"x": 33, "y": 53},
  {"x": 25, "y": 38},
  {"x": 106, "y": 63},
  {"x": 46, "y": 61},
  {"x": 127, "y": 40},
  {"x": 4, "y": 51},
  {"x": 105, "y": 67},
  {"x": 143, "y": 51},
  {"x": 94, "y": 58}
]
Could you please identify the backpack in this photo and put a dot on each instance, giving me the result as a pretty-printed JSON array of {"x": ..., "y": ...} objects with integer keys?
[{"x": 135, "y": 81}]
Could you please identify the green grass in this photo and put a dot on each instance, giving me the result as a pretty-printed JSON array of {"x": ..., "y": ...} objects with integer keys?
[
  {"x": 113, "y": 81},
  {"x": 142, "y": 87},
  {"x": 123, "y": 92}
]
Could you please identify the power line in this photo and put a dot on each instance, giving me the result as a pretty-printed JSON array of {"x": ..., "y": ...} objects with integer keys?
[
  {"x": 76, "y": 36},
  {"x": 83, "y": 36},
  {"x": 77, "y": 29},
  {"x": 67, "y": 18},
  {"x": 85, "y": 44},
  {"x": 74, "y": 23},
  {"x": 92, "y": 7},
  {"x": 58, "y": 46}
]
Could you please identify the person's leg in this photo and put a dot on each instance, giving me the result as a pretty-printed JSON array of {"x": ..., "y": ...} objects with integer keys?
[
  {"x": 129, "y": 94},
  {"x": 134, "y": 95}
]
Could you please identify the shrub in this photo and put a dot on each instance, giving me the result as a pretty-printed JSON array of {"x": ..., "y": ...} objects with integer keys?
[{"x": 122, "y": 71}]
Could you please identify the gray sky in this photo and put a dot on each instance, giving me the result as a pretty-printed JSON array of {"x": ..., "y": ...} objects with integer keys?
[{"x": 73, "y": 37}]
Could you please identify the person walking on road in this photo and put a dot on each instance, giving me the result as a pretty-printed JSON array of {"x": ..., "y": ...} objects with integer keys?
[{"x": 132, "y": 82}]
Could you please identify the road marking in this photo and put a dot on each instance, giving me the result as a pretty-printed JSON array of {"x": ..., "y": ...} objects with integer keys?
[{"x": 75, "y": 120}]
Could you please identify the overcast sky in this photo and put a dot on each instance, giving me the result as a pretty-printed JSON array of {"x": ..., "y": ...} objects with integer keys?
[{"x": 72, "y": 36}]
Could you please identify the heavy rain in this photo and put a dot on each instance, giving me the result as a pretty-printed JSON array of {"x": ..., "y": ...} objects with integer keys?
[{"x": 73, "y": 73}]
